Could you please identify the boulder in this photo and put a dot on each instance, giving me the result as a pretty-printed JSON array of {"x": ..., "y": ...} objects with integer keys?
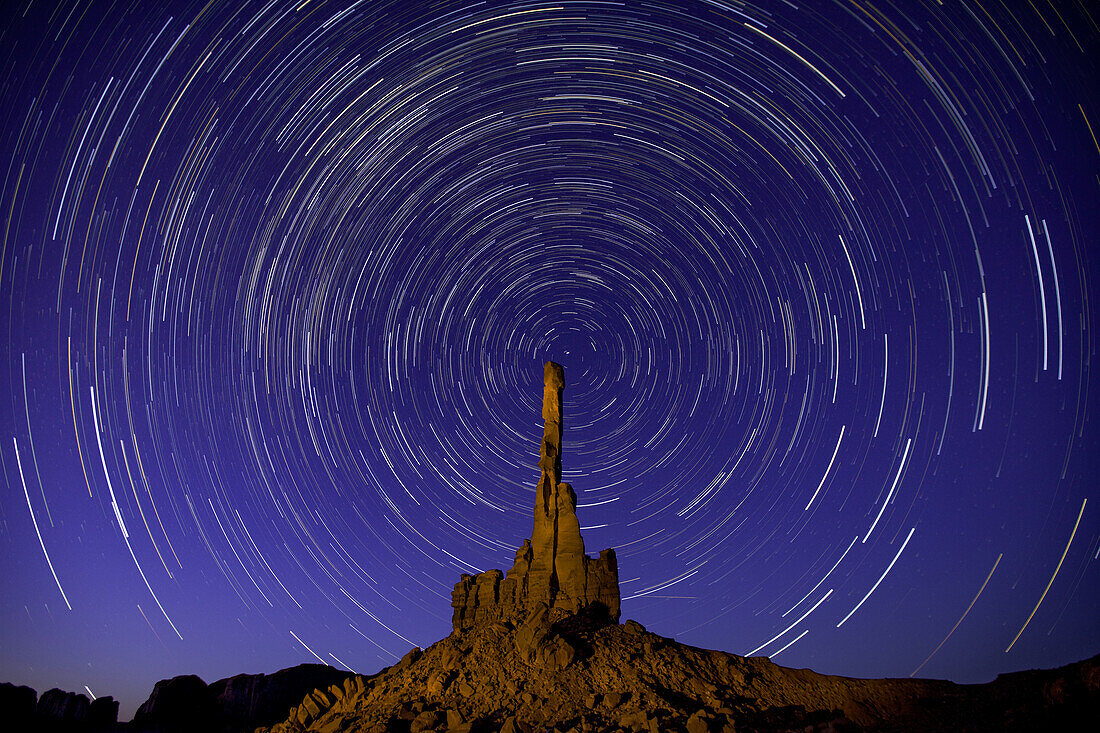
[
  {"x": 614, "y": 699},
  {"x": 511, "y": 726},
  {"x": 437, "y": 683},
  {"x": 427, "y": 720},
  {"x": 538, "y": 645},
  {"x": 697, "y": 723},
  {"x": 532, "y": 633},
  {"x": 408, "y": 660}
]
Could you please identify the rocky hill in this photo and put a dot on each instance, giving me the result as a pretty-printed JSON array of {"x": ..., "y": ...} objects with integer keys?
[{"x": 585, "y": 674}]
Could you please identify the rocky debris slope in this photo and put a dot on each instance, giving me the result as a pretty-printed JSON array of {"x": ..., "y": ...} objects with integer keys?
[
  {"x": 551, "y": 568},
  {"x": 578, "y": 673}
]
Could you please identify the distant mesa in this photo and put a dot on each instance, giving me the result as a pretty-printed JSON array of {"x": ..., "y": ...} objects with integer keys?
[
  {"x": 238, "y": 703},
  {"x": 22, "y": 710},
  {"x": 183, "y": 704},
  {"x": 551, "y": 568}
]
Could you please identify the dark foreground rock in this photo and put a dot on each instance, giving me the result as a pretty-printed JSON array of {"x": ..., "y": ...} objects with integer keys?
[
  {"x": 181, "y": 703},
  {"x": 103, "y": 713},
  {"x": 57, "y": 711},
  {"x": 619, "y": 678},
  {"x": 17, "y": 703},
  {"x": 178, "y": 705},
  {"x": 63, "y": 707},
  {"x": 248, "y": 700}
]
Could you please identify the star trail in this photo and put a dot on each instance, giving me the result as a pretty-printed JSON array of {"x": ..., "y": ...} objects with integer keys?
[{"x": 279, "y": 280}]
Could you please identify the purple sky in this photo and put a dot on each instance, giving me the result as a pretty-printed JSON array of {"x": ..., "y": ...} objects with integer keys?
[{"x": 278, "y": 281}]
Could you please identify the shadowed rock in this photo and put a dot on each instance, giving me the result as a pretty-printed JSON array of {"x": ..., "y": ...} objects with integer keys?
[
  {"x": 178, "y": 704},
  {"x": 238, "y": 703},
  {"x": 247, "y": 700},
  {"x": 103, "y": 713},
  {"x": 63, "y": 707},
  {"x": 18, "y": 704}
]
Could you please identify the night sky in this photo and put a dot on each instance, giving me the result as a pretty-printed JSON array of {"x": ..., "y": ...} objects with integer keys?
[{"x": 278, "y": 281}]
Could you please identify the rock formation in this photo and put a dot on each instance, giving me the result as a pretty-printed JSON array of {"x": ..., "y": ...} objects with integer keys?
[
  {"x": 17, "y": 705},
  {"x": 245, "y": 700},
  {"x": 180, "y": 703},
  {"x": 538, "y": 649},
  {"x": 63, "y": 707},
  {"x": 238, "y": 703},
  {"x": 57, "y": 711},
  {"x": 551, "y": 568},
  {"x": 103, "y": 713}
]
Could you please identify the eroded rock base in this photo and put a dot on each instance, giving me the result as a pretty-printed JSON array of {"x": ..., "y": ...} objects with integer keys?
[{"x": 507, "y": 677}]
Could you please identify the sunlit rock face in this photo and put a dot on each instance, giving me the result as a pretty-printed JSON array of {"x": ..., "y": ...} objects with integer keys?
[{"x": 551, "y": 568}]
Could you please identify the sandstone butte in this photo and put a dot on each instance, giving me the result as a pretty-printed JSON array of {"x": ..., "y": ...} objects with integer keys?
[{"x": 540, "y": 648}]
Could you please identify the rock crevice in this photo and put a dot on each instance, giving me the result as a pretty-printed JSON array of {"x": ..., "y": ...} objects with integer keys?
[{"x": 550, "y": 568}]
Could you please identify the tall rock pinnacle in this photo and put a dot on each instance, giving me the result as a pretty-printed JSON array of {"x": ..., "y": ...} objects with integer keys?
[
  {"x": 553, "y": 384},
  {"x": 551, "y": 568},
  {"x": 558, "y": 560}
]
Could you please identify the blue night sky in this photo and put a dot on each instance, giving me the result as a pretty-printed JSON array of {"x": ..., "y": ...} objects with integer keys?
[{"x": 278, "y": 280}]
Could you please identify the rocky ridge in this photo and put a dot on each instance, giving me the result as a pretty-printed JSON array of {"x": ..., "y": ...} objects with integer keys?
[
  {"x": 178, "y": 705},
  {"x": 237, "y": 703},
  {"x": 56, "y": 710}
]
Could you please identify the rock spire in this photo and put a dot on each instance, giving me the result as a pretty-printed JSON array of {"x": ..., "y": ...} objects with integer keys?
[{"x": 551, "y": 568}]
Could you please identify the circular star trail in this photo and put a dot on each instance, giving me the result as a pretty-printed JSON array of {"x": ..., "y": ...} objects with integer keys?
[{"x": 279, "y": 281}]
